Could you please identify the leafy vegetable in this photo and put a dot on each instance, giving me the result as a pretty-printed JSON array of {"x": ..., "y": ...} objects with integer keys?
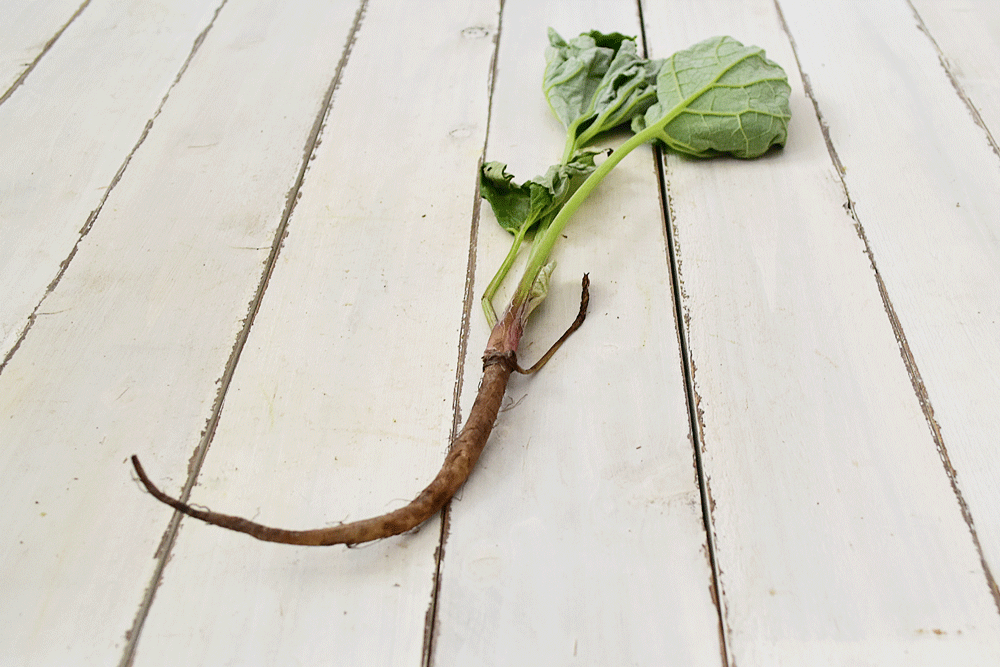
[{"x": 717, "y": 97}]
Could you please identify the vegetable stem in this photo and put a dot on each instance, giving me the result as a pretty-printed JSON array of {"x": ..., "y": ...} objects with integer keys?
[
  {"x": 571, "y": 145},
  {"x": 543, "y": 246},
  {"x": 491, "y": 289}
]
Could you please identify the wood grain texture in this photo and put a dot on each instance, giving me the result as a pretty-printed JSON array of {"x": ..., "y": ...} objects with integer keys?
[
  {"x": 342, "y": 404},
  {"x": 28, "y": 29},
  {"x": 838, "y": 536},
  {"x": 69, "y": 129},
  {"x": 925, "y": 185},
  {"x": 965, "y": 32},
  {"x": 581, "y": 536},
  {"x": 127, "y": 351},
  {"x": 840, "y": 325}
]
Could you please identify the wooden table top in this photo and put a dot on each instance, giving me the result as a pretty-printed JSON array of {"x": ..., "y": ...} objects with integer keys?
[{"x": 243, "y": 240}]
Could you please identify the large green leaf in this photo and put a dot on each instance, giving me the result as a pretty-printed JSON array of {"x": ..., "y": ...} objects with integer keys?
[{"x": 719, "y": 97}]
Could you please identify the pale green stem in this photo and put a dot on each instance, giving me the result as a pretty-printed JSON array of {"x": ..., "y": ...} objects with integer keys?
[
  {"x": 571, "y": 146},
  {"x": 542, "y": 248},
  {"x": 491, "y": 289}
]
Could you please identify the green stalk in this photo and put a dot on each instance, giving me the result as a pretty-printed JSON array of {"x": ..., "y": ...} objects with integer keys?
[
  {"x": 491, "y": 289},
  {"x": 571, "y": 144},
  {"x": 543, "y": 246},
  {"x": 601, "y": 123}
]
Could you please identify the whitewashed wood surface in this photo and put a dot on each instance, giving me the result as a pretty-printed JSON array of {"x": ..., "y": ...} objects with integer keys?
[{"x": 242, "y": 240}]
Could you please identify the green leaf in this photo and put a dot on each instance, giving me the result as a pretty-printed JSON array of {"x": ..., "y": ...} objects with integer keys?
[
  {"x": 626, "y": 91},
  {"x": 596, "y": 82},
  {"x": 516, "y": 206},
  {"x": 719, "y": 97},
  {"x": 561, "y": 181},
  {"x": 574, "y": 70},
  {"x": 511, "y": 202}
]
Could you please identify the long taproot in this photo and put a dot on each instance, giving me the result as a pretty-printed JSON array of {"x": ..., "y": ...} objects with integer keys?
[
  {"x": 499, "y": 362},
  {"x": 454, "y": 472}
]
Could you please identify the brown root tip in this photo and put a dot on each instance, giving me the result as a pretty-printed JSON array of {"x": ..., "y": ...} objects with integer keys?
[
  {"x": 456, "y": 469},
  {"x": 151, "y": 488},
  {"x": 580, "y": 317}
]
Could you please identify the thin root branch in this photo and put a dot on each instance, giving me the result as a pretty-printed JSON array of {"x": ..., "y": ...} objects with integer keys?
[{"x": 580, "y": 317}]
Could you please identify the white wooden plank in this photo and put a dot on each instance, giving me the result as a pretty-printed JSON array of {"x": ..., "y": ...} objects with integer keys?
[
  {"x": 580, "y": 537},
  {"x": 69, "y": 128},
  {"x": 968, "y": 34},
  {"x": 128, "y": 347},
  {"x": 926, "y": 187},
  {"x": 26, "y": 28},
  {"x": 127, "y": 351},
  {"x": 342, "y": 404},
  {"x": 838, "y": 537}
]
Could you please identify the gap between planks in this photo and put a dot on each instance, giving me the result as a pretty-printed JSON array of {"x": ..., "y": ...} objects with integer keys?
[
  {"x": 201, "y": 450},
  {"x": 89, "y": 223},
  {"x": 959, "y": 90},
  {"x": 41, "y": 54},
  {"x": 691, "y": 396},
  {"x": 688, "y": 371},
  {"x": 468, "y": 304},
  {"x": 910, "y": 363}
]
